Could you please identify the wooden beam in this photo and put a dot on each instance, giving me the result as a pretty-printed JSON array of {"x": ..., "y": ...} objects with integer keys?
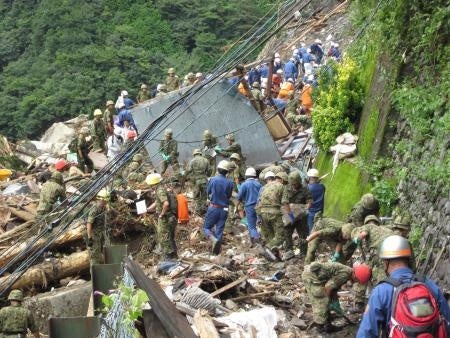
[
  {"x": 174, "y": 323},
  {"x": 229, "y": 286},
  {"x": 153, "y": 326},
  {"x": 205, "y": 325}
]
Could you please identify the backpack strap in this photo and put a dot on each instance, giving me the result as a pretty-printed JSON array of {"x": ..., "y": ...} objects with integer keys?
[
  {"x": 419, "y": 278},
  {"x": 393, "y": 281}
]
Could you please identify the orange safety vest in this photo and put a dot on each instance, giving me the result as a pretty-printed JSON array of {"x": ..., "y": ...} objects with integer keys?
[
  {"x": 286, "y": 89},
  {"x": 307, "y": 100},
  {"x": 183, "y": 209}
]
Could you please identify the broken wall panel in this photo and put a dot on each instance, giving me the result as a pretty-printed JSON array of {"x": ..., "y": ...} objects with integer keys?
[{"x": 220, "y": 109}]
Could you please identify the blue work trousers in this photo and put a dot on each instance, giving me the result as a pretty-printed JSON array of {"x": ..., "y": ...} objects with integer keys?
[
  {"x": 250, "y": 213},
  {"x": 215, "y": 217},
  {"x": 310, "y": 220}
]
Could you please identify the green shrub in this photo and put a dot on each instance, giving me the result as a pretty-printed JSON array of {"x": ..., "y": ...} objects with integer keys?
[{"x": 338, "y": 103}]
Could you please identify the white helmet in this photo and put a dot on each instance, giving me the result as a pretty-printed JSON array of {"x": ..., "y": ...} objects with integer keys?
[
  {"x": 199, "y": 75},
  {"x": 117, "y": 130},
  {"x": 318, "y": 41},
  {"x": 302, "y": 44},
  {"x": 124, "y": 93},
  {"x": 269, "y": 174},
  {"x": 250, "y": 172},
  {"x": 313, "y": 173},
  {"x": 308, "y": 50},
  {"x": 223, "y": 165},
  {"x": 277, "y": 55},
  {"x": 279, "y": 71},
  {"x": 295, "y": 52}
]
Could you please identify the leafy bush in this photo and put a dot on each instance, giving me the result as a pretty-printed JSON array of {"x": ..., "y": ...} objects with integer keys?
[
  {"x": 338, "y": 103},
  {"x": 386, "y": 193}
]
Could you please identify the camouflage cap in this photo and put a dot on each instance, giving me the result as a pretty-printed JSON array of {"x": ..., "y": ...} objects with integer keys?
[
  {"x": 295, "y": 178},
  {"x": 283, "y": 176},
  {"x": 57, "y": 177},
  {"x": 371, "y": 219},
  {"x": 196, "y": 152},
  {"x": 402, "y": 222},
  {"x": 138, "y": 158},
  {"x": 368, "y": 201}
]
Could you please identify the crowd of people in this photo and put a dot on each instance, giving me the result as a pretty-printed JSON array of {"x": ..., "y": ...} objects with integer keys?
[{"x": 281, "y": 207}]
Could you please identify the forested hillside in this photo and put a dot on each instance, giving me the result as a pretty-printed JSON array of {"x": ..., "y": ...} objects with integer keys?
[{"x": 63, "y": 58}]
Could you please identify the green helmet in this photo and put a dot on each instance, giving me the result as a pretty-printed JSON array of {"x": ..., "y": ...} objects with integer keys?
[
  {"x": 207, "y": 134},
  {"x": 168, "y": 132},
  {"x": 16, "y": 295},
  {"x": 57, "y": 177},
  {"x": 285, "y": 165},
  {"x": 134, "y": 165},
  {"x": 283, "y": 176},
  {"x": 235, "y": 156},
  {"x": 295, "y": 178},
  {"x": 372, "y": 218},
  {"x": 346, "y": 230},
  {"x": 402, "y": 222},
  {"x": 368, "y": 201},
  {"x": 138, "y": 158}
]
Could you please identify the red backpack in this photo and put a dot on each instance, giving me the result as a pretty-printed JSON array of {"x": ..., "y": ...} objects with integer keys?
[{"x": 415, "y": 311}]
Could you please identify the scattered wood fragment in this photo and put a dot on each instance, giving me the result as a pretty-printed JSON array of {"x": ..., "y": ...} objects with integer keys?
[
  {"x": 23, "y": 215},
  {"x": 204, "y": 325},
  {"x": 229, "y": 286},
  {"x": 253, "y": 295}
]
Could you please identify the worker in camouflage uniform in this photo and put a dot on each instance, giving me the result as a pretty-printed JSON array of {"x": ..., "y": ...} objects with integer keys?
[
  {"x": 273, "y": 197},
  {"x": 84, "y": 161},
  {"x": 331, "y": 230},
  {"x": 234, "y": 174},
  {"x": 198, "y": 171},
  {"x": 189, "y": 81},
  {"x": 15, "y": 320},
  {"x": 232, "y": 148},
  {"x": 97, "y": 227},
  {"x": 168, "y": 148},
  {"x": 275, "y": 168},
  {"x": 167, "y": 221},
  {"x": 135, "y": 176},
  {"x": 401, "y": 225},
  {"x": 299, "y": 197},
  {"x": 258, "y": 96},
  {"x": 369, "y": 237},
  {"x": 209, "y": 143},
  {"x": 368, "y": 205},
  {"x": 52, "y": 191},
  {"x": 322, "y": 281},
  {"x": 143, "y": 94},
  {"x": 108, "y": 117},
  {"x": 136, "y": 165},
  {"x": 172, "y": 80},
  {"x": 99, "y": 130}
]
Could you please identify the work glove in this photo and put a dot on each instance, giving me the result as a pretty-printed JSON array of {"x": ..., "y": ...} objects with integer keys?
[
  {"x": 239, "y": 187},
  {"x": 356, "y": 240},
  {"x": 335, "y": 306},
  {"x": 336, "y": 257},
  {"x": 291, "y": 217},
  {"x": 90, "y": 242},
  {"x": 218, "y": 149}
]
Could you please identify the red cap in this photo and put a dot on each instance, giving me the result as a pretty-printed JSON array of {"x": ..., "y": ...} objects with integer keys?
[
  {"x": 60, "y": 165},
  {"x": 362, "y": 272},
  {"x": 131, "y": 134}
]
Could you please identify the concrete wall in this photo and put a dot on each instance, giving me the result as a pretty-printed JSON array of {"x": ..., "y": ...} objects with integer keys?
[{"x": 67, "y": 302}]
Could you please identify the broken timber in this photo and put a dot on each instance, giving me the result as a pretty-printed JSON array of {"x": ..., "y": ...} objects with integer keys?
[{"x": 174, "y": 323}]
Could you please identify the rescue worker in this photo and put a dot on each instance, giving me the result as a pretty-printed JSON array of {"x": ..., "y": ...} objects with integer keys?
[
  {"x": 198, "y": 171},
  {"x": 290, "y": 70},
  {"x": 52, "y": 191},
  {"x": 99, "y": 131},
  {"x": 134, "y": 166},
  {"x": 190, "y": 80},
  {"x": 401, "y": 225},
  {"x": 167, "y": 221},
  {"x": 15, "y": 320},
  {"x": 275, "y": 168},
  {"x": 135, "y": 175},
  {"x": 233, "y": 147},
  {"x": 161, "y": 90},
  {"x": 172, "y": 80},
  {"x": 317, "y": 50},
  {"x": 322, "y": 281},
  {"x": 395, "y": 253},
  {"x": 368, "y": 205},
  {"x": 84, "y": 161},
  {"x": 114, "y": 143},
  {"x": 126, "y": 120},
  {"x": 235, "y": 176},
  {"x": 331, "y": 230},
  {"x": 273, "y": 197},
  {"x": 209, "y": 143},
  {"x": 219, "y": 191},
  {"x": 317, "y": 191},
  {"x": 258, "y": 96},
  {"x": 306, "y": 98},
  {"x": 126, "y": 100},
  {"x": 299, "y": 197},
  {"x": 168, "y": 148},
  {"x": 108, "y": 116},
  {"x": 248, "y": 197},
  {"x": 369, "y": 237},
  {"x": 97, "y": 230},
  {"x": 143, "y": 94}
]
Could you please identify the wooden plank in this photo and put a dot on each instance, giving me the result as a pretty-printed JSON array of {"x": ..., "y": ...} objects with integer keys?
[
  {"x": 204, "y": 324},
  {"x": 153, "y": 326},
  {"x": 229, "y": 286},
  {"x": 253, "y": 295},
  {"x": 174, "y": 323},
  {"x": 187, "y": 310}
]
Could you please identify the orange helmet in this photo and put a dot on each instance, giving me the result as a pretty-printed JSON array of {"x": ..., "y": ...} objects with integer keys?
[{"x": 362, "y": 273}]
